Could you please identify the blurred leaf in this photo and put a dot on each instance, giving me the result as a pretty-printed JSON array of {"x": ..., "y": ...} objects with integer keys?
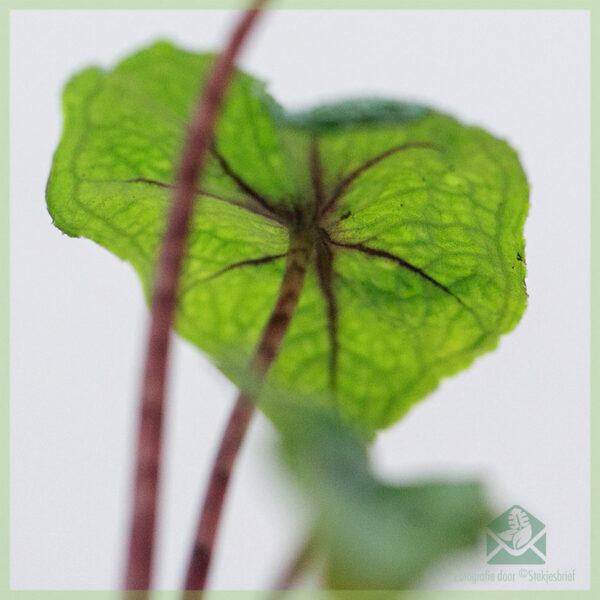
[
  {"x": 415, "y": 219},
  {"x": 374, "y": 535}
]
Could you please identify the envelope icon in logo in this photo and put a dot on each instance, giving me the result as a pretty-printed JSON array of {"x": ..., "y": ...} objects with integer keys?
[{"x": 516, "y": 537}]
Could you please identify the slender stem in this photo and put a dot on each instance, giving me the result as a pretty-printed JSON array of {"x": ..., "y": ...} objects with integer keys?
[
  {"x": 145, "y": 498},
  {"x": 233, "y": 436},
  {"x": 294, "y": 569}
]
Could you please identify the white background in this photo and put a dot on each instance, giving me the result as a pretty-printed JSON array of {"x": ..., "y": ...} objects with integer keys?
[{"x": 519, "y": 418}]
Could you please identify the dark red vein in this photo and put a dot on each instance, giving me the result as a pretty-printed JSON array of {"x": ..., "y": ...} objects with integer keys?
[
  {"x": 343, "y": 185},
  {"x": 241, "y": 183},
  {"x": 170, "y": 186},
  {"x": 399, "y": 260},
  {"x": 316, "y": 174},
  {"x": 325, "y": 275},
  {"x": 258, "y": 210},
  {"x": 242, "y": 263}
]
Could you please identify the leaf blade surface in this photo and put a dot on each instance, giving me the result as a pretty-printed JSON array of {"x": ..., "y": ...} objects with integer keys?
[{"x": 416, "y": 222}]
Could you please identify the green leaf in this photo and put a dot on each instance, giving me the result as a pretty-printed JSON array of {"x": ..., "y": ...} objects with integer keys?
[
  {"x": 418, "y": 248},
  {"x": 374, "y": 535}
]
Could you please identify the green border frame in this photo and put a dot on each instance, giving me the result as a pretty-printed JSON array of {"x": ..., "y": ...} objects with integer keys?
[{"x": 588, "y": 5}]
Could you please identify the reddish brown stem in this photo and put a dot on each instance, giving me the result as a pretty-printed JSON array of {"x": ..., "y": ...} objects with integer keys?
[
  {"x": 233, "y": 436},
  {"x": 294, "y": 569},
  {"x": 143, "y": 524}
]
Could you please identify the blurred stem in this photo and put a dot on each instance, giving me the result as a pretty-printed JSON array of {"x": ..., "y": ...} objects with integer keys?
[
  {"x": 294, "y": 569},
  {"x": 233, "y": 436},
  {"x": 143, "y": 514}
]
